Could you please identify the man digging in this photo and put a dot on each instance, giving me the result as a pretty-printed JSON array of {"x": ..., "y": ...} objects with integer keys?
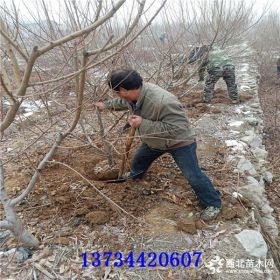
[
  {"x": 163, "y": 127},
  {"x": 218, "y": 65}
]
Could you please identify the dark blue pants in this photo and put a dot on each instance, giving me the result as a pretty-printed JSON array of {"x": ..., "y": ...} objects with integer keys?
[{"x": 186, "y": 159}]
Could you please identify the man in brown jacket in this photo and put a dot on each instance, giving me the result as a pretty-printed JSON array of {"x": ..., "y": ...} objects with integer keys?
[{"x": 163, "y": 127}]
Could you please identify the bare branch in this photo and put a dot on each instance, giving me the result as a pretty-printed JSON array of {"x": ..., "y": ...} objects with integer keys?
[
  {"x": 6, "y": 90},
  {"x": 9, "y": 118},
  {"x": 80, "y": 95},
  {"x": 72, "y": 75},
  {"x": 12, "y": 222},
  {"x": 13, "y": 43},
  {"x": 130, "y": 29},
  {"x": 12, "y": 56},
  {"x": 82, "y": 32},
  {"x": 4, "y": 75},
  {"x": 99, "y": 8}
]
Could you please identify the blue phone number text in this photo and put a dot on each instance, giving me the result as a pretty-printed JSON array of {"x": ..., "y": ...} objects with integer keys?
[{"x": 143, "y": 259}]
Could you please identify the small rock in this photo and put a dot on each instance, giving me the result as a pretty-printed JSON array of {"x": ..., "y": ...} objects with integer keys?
[
  {"x": 268, "y": 177},
  {"x": 246, "y": 165},
  {"x": 253, "y": 242},
  {"x": 261, "y": 163},
  {"x": 252, "y": 181},
  {"x": 271, "y": 225},
  {"x": 252, "y": 121},
  {"x": 252, "y": 139},
  {"x": 97, "y": 217},
  {"x": 236, "y": 195},
  {"x": 260, "y": 153},
  {"x": 19, "y": 254},
  {"x": 147, "y": 192},
  {"x": 266, "y": 209}
]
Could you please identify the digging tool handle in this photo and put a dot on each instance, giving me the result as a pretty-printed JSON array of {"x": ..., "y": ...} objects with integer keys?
[{"x": 127, "y": 148}]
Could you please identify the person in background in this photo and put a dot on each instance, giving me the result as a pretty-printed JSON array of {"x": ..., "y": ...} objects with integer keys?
[
  {"x": 163, "y": 127},
  {"x": 218, "y": 65}
]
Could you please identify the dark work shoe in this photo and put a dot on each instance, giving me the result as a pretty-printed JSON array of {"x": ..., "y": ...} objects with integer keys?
[{"x": 210, "y": 213}]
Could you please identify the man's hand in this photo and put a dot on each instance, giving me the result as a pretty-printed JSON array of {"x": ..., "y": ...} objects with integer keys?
[
  {"x": 135, "y": 121},
  {"x": 100, "y": 105}
]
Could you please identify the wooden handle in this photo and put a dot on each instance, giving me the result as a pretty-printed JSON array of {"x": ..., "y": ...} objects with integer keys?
[{"x": 127, "y": 148}]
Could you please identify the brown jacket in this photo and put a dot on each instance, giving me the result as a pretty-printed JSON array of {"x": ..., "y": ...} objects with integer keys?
[{"x": 165, "y": 124}]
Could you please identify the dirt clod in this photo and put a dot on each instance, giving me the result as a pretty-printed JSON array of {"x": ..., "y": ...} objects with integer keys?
[
  {"x": 97, "y": 217},
  {"x": 233, "y": 212},
  {"x": 186, "y": 225}
]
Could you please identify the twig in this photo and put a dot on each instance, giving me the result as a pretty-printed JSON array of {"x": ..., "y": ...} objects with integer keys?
[
  {"x": 100, "y": 152},
  {"x": 44, "y": 271},
  {"x": 185, "y": 93},
  {"x": 37, "y": 207},
  {"x": 13, "y": 44}
]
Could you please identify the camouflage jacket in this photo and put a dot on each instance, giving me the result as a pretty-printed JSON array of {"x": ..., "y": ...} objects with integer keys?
[
  {"x": 215, "y": 58},
  {"x": 165, "y": 124}
]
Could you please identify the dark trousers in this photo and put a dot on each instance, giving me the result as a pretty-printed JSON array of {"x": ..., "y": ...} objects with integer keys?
[
  {"x": 186, "y": 159},
  {"x": 226, "y": 72}
]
